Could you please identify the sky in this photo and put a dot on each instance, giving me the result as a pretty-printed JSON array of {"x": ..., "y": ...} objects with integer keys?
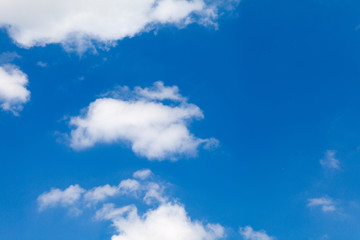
[{"x": 179, "y": 120}]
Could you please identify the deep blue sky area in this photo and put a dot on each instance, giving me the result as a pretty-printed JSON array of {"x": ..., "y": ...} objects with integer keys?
[{"x": 278, "y": 83}]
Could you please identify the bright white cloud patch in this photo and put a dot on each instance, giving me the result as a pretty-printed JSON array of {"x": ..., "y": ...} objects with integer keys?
[
  {"x": 330, "y": 161},
  {"x": 56, "y": 197},
  {"x": 167, "y": 222},
  {"x": 140, "y": 118},
  {"x": 13, "y": 92},
  {"x": 326, "y": 204},
  {"x": 248, "y": 233},
  {"x": 163, "y": 220},
  {"x": 78, "y": 22}
]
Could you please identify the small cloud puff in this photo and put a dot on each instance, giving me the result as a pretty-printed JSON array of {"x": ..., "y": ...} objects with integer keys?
[
  {"x": 155, "y": 130},
  {"x": 248, "y": 233},
  {"x": 142, "y": 174},
  {"x": 56, "y": 197},
  {"x": 41, "y": 64},
  {"x": 13, "y": 92}
]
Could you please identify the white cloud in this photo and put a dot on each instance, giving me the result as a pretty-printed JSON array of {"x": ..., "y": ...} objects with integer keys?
[
  {"x": 56, "y": 197},
  {"x": 248, "y": 233},
  {"x": 330, "y": 161},
  {"x": 13, "y": 92},
  {"x": 153, "y": 129},
  {"x": 155, "y": 193},
  {"x": 109, "y": 212},
  {"x": 142, "y": 174},
  {"x": 165, "y": 219},
  {"x": 79, "y": 22},
  {"x": 128, "y": 186},
  {"x": 167, "y": 222},
  {"x": 326, "y": 204},
  {"x": 148, "y": 191},
  {"x": 160, "y": 92},
  {"x": 101, "y": 193}
]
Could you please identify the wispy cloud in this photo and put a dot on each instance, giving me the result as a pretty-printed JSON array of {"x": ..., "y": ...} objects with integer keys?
[
  {"x": 41, "y": 64},
  {"x": 56, "y": 197},
  {"x": 141, "y": 188},
  {"x": 8, "y": 57},
  {"x": 142, "y": 174},
  {"x": 248, "y": 233},
  {"x": 326, "y": 204},
  {"x": 329, "y": 161}
]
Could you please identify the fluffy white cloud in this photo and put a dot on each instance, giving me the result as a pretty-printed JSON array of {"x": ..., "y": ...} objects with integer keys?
[
  {"x": 78, "y": 22},
  {"x": 167, "y": 222},
  {"x": 163, "y": 220},
  {"x": 56, "y": 197},
  {"x": 155, "y": 130},
  {"x": 326, "y": 204},
  {"x": 13, "y": 92},
  {"x": 330, "y": 161},
  {"x": 248, "y": 233}
]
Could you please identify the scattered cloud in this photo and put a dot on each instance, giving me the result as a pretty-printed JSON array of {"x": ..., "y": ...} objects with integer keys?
[
  {"x": 41, "y": 64},
  {"x": 165, "y": 219},
  {"x": 141, "y": 118},
  {"x": 13, "y": 92},
  {"x": 128, "y": 186},
  {"x": 155, "y": 193},
  {"x": 326, "y": 204},
  {"x": 78, "y": 24},
  {"x": 56, "y": 197},
  {"x": 148, "y": 191},
  {"x": 142, "y": 174},
  {"x": 159, "y": 92},
  {"x": 8, "y": 57},
  {"x": 101, "y": 193},
  {"x": 329, "y": 161},
  {"x": 248, "y": 233}
]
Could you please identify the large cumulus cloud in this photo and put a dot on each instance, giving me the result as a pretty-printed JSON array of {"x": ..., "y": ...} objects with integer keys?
[{"x": 78, "y": 22}]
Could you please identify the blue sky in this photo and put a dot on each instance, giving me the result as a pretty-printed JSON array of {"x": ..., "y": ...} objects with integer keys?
[{"x": 274, "y": 82}]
